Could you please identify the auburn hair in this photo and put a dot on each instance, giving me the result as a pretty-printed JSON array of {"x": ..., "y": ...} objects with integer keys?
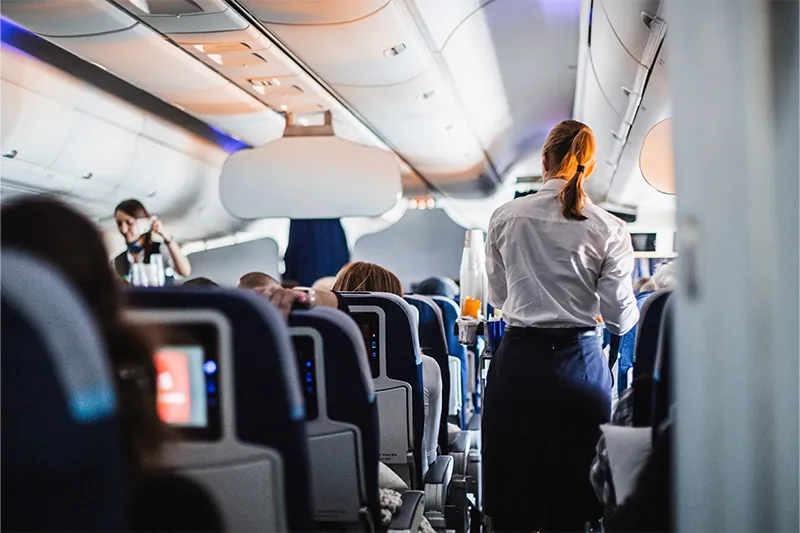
[
  {"x": 570, "y": 150},
  {"x": 361, "y": 276}
]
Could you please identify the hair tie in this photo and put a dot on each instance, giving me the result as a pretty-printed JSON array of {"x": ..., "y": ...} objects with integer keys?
[{"x": 581, "y": 168}]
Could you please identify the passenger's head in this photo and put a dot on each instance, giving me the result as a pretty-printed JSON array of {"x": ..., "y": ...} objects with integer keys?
[
  {"x": 666, "y": 276},
  {"x": 199, "y": 282},
  {"x": 639, "y": 283},
  {"x": 258, "y": 281},
  {"x": 569, "y": 154},
  {"x": 126, "y": 214},
  {"x": 438, "y": 287},
  {"x": 324, "y": 284},
  {"x": 62, "y": 237},
  {"x": 361, "y": 276}
]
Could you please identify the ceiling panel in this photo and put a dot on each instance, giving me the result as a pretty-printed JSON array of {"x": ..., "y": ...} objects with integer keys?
[
  {"x": 443, "y": 18},
  {"x": 312, "y": 11},
  {"x": 382, "y": 49},
  {"x": 60, "y": 18}
]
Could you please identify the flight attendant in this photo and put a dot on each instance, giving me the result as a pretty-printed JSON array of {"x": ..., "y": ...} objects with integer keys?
[
  {"x": 556, "y": 263},
  {"x": 141, "y": 245}
]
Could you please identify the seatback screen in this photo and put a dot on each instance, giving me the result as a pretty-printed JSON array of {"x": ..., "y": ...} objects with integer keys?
[
  {"x": 188, "y": 380},
  {"x": 307, "y": 370},
  {"x": 181, "y": 396},
  {"x": 368, "y": 323}
]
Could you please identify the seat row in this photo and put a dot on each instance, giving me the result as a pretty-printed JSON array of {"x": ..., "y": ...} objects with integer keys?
[{"x": 283, "y": 425}]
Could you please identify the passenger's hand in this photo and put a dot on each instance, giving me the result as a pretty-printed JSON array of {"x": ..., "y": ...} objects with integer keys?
[
  {"x": 283, "y": 299},
  {"x": 158, "y": 229}
]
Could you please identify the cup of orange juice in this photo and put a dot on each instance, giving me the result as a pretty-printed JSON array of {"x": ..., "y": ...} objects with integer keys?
[{"x": 471, "y": 307}]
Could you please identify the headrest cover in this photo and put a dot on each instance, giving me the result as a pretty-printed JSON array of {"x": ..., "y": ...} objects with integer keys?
[{"x": 50, "y": 305}]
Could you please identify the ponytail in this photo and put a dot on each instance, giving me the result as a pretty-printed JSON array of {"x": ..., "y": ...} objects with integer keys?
[{"x": 571, "y": 146}]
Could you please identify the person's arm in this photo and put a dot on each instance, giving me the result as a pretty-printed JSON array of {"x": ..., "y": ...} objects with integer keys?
[
  {"x": 495, "y": 270},
  {"x": 284, "y": 299},
  {"x": 615, "y": 286},
  {"x": 181, "y": 262}
]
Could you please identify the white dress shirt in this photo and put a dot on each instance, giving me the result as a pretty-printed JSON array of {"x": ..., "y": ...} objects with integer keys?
[{"x": 548, "y": 271}]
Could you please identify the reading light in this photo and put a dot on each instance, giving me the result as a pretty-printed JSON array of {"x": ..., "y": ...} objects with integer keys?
[
  {"x": 276, "y": 82},
  {"x": 284, "y": 107},
  {"x": 395, "y": 50}
]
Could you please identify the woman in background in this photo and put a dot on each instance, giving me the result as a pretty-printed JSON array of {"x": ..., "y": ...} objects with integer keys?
[{"x": 138, "y": 228}]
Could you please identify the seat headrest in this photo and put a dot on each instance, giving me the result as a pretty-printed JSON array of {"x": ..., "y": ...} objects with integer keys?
[{"x": 61, "y": 461}]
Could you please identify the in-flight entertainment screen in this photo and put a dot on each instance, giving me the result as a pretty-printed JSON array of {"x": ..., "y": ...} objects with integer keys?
[{"x": 181, "y": 397}]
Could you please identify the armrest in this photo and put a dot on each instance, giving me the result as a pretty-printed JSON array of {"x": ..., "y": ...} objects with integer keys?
[
  {"x": 437, "y": 483},
  {"x": 409, "y": 517}
]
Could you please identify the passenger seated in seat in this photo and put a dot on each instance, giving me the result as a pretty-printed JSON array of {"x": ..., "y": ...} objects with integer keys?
[
  {"x": 199, "y": 282},
  {"x": 639, "y": 283},
  {"x": 438, "y": 286},
  {"x": 361, "y": 276},
  {"x": 258, "y": 281},
  {"x": 57, "y": 234},
  {"x": 324, "y": 284}
]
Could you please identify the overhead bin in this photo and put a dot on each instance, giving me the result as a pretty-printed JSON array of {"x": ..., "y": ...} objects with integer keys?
[
  {"x": 312, "y": 11},
  {"x": 255, "y": 128},
  {"x": 131, "y": 54},
  {"x": 601, "y": 118},
  {"x": 341, "y": 179},
  {"x": 442, "y": 19},
  {"x": 381, "y": 49},
  {"x": 67, "y": 18},
  {"x": 185, "y": 16},
  {"x": 626, "y": 20}
]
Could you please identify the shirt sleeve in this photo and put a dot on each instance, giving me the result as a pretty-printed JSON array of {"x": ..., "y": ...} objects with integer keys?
[
  {"x": 495, "y": 270},
  {"x": 615, "y": 286}
]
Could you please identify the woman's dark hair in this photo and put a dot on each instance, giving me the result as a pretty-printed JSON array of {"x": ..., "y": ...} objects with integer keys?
[
  {"x": 135, "y": 208},
  {"x": 59, "y": 235},
  {"x": 199, "y": 282}
]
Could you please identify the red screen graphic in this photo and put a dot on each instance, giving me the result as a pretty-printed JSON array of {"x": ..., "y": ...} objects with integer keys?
[{"x": 174, "y": 399}]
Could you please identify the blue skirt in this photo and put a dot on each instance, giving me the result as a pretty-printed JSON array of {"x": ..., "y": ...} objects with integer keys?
[{"x": 547, "y": 393}]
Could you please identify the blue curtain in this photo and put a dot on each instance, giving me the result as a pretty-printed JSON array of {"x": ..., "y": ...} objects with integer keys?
[{"x": 317, "y": 248}]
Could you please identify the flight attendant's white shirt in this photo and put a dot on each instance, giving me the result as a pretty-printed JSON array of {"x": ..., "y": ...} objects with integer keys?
[{"x": 547, "y": 271}]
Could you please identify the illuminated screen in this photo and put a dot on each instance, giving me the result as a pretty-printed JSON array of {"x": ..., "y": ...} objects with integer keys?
[{"x": 181, "y": 397}]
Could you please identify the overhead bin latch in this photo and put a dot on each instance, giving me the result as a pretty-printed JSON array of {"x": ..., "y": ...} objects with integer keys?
[{"x": 295, "y": 130}]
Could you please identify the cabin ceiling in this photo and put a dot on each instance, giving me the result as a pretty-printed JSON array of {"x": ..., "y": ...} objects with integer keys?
[{"x": 460, "y": 91}]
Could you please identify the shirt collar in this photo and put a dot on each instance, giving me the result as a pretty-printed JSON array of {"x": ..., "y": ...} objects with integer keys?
[{"x": 553, "y": 184}]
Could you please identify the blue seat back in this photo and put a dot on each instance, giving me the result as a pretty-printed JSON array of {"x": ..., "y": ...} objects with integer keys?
[
  {"x": 61, "y": 459},
  {"x": 343, "y": 429},
  {"x": 450, "y": 313},
  {"x": 398, "y": 384},
  {"x": 433, "y": 343},
  {"x": 260, "y": 466},
  {"x": 648, "y": 333}
]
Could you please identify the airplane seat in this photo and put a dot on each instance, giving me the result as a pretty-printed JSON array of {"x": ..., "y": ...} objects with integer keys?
[
  {"x": 396, "y": 373},
  {"x": 648, "y": 335},
  {"x": 663, "y": 397},
  {"x": 243, "y": 438},
  {"x": 396, "y": 369},
  {"x": 341, "y": 417},
  {"x": 647, "y": 332},
  {"x": 434, "y": 344},
  {"x": 62, "y": 468},
  {"x": 450, "y": 313}
]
